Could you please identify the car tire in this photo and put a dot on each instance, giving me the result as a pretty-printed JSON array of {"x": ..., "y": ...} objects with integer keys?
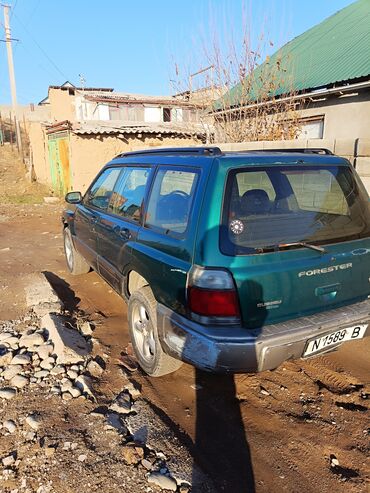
[
  {"x": 142, "y": 322},
  {"x": 75, "y": 262}
]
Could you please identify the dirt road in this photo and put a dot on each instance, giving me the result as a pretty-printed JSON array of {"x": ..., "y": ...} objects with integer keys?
[{"x": 302, "y": 427}]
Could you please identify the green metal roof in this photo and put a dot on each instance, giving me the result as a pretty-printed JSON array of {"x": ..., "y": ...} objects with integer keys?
[{"x": 336, "y": 50}]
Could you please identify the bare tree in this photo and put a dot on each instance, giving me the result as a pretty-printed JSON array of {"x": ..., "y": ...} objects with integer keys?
[{"x": 240, "y": 95}]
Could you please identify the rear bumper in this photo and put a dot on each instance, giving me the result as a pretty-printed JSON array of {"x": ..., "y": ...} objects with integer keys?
[{"x": 233, "y": 349}]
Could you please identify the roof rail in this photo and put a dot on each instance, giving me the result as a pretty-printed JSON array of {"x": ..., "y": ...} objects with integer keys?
[
  {"x": 201, "y": 151},
  {"x": 304, "y": 150}
]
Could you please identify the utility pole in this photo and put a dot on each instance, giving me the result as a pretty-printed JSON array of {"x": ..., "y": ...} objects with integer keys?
[{"x": 13, "y": 91}]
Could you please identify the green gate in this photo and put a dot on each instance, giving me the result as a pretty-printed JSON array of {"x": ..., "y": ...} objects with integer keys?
[{"x": 58, "y": 144}]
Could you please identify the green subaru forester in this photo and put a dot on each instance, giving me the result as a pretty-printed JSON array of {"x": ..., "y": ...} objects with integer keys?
[{"x": 233, "y": 262}]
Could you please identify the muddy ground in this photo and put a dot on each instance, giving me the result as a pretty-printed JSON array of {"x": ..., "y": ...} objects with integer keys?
[{"x": 302, "y": 427}]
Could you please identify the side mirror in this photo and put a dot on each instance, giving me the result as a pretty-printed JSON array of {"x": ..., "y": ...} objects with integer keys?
[{"x": 73, "y": 197}]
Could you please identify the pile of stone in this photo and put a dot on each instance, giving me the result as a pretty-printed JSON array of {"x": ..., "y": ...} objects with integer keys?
[{"x": 40, "y": 355}]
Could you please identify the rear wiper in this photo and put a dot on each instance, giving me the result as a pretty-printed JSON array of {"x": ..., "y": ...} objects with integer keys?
[{"x": 304, "y": 244}]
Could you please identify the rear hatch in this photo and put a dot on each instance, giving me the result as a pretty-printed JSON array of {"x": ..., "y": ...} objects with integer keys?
[{"x": 296, "y": 238}]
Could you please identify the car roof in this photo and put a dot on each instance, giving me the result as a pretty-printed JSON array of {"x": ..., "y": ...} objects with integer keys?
[{"x": 205, "y": 156}]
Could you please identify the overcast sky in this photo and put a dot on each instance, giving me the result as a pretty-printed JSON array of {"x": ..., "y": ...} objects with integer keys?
[{"x": 132, "y": 46}]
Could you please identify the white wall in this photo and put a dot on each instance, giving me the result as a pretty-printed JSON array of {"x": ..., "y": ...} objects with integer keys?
[{"x": 152, "y": 114}]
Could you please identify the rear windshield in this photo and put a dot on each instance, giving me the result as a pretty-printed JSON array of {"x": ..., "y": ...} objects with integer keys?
[{"x": 266, "y": 209}]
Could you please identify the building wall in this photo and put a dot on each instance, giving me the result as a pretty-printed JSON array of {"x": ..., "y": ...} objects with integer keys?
[
  {"x": 39, "y": 157},
  {"x": 61, "y": 105},
  {"x": 88, "y": 154},
  {"x": 29, "y": 112},
  {"x": 344, "y": 117}
]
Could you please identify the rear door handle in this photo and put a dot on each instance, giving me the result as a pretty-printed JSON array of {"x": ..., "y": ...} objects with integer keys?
[{"x": 125, "y": 233}]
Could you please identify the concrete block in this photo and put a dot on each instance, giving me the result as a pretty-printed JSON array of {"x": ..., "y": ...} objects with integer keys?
[
  {"x": 323, "y": 143},
  {"x": 363, "y": 147},
  {"x": 39, "y": 292},
  {"x": 363, "y": 166},
  {"x": 344, "y": 147},
  {"x": 69, "y": 345}
]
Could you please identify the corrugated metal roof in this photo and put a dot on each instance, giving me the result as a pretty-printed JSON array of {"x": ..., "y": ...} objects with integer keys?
[
  {"x": 336, "y": 50},
  {"x": 120, "y": 128},
  {"x": 122, "y": 97}
]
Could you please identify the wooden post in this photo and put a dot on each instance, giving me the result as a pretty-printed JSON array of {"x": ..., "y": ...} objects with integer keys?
[
  {"x": 2, "y": 130},
  {"x": 11, "y": 130}
]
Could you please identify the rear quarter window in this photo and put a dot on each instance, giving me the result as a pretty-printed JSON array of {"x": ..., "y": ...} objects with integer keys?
[{"x": 171, "y": 200}]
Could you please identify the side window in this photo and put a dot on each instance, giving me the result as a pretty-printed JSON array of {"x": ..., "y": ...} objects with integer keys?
[
  {"x": 101, "y": 191},
  {"x": 129, "y": 193},
  {"x": 170, "y": 199}
]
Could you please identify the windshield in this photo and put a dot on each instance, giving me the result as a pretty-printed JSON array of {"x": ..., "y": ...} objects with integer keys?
[{"x": 284, "y": 206}]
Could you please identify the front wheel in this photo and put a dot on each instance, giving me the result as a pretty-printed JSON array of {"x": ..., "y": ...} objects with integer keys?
[
  {"x": 142, "y": 322},
  {"x": 75, "y": 262}
]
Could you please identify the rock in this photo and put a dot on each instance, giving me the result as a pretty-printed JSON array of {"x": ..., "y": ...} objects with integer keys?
[
  {"x": 84, "y": 384},
  {"x": 334, "y": 462},
  {"x": 41, "y": 373},
  {"x": 5, "y": 356},
  {"x": 66, "y": 445},
  {"x": 122, "y": 403},
  {"x": 7, "y": 393},
  {"x": 39, "y": 291},
  {"x": 114, "y": 422},
  {"x": 10, "y": 425},
  {"x": 55, "y": 390},
  {"x": 66, "y": 385},
  {"x": 82, "y": 457},
  {"x": 12, "y": 342},
  {"x": 147, "y": 464},
  {"x": 34, "y": 421},
  {"x": 45, "y": 350},
  {"x": 58, "y": 370},
  {"x": 11, "y": 371},
  {"x": 69, "y": 346},
  {"x": 19, "y": 381},
  {"x": 21, "y": 359},
  {"x": 75, "y": 392},
  {"x": 164, "y": 482},
  {"x": 5, "y": 335},
  {"x": 132, "y": 454},
  {"x": 72, "y": 374},
  {"x": 86, "y": 329},
  {"x": 94, "y": 368},
  {"x": 184, "y": 488},
  {"x": 29, "y": 435},
  {"x": 46, "y": 365},
  {"x": 132, "y": 390},
  {"x": 30, "y": 341},
  {"x": 66, "y": 396},
  {"x": 49, "y": 451},
  {"x": 8, "y": 461}
]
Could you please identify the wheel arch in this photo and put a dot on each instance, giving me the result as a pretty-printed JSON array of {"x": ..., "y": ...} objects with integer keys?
[{"x": 134, "y": 282}]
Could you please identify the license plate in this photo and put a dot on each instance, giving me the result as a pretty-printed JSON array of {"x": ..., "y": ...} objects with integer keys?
[{"x": 335, "y": 338}]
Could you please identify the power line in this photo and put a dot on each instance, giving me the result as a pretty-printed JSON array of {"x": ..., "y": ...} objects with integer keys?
[
  {"x": 13, "y": 9},
  {"x": 41, "y": 49}
]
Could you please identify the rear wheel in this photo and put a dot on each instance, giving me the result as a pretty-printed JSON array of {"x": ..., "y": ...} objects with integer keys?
[
  {"x": 142, "y": 322},
  {"x": 75, "y": 262}
]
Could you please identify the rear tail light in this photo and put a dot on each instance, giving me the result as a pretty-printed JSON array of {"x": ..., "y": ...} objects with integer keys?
[{"x": 212, "y": 297}]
